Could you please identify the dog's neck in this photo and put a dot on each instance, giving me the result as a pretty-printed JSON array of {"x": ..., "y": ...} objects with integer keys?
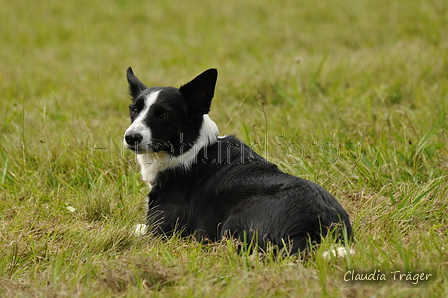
[{"x": 152, "y": 163}]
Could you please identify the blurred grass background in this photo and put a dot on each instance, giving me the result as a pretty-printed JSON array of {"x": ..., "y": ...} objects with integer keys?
[{"x": 350, "y": 94}]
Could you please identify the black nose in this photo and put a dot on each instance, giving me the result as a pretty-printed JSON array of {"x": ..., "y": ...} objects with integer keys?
[{"x": 133, "y": 138}]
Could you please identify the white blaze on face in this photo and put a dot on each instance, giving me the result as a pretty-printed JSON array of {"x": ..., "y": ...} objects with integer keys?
[{"x": 139, "y": 125}]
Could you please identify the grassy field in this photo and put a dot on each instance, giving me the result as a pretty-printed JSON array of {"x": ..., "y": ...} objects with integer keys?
[{"x": 350, "y": 94}]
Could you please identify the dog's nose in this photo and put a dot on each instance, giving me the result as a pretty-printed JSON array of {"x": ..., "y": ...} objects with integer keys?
[{"x": 133, "y": 138}]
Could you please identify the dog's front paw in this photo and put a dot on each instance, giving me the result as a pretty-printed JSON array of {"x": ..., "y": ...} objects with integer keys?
[{"x": 140, "y": 230}]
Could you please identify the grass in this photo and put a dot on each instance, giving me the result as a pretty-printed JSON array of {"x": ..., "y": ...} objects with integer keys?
[{"x": 352, "y": 95}]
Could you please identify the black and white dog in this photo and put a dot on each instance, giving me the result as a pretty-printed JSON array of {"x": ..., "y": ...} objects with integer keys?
[{"x": 211, "y": 186}]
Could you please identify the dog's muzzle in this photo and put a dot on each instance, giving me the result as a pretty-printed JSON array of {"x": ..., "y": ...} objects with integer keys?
[{"x": 133, "y": 141}]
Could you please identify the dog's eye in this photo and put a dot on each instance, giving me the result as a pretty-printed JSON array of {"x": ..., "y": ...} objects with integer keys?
[
  {"x": 165, "y": 115},
  {"x": 134, "y": 111}
]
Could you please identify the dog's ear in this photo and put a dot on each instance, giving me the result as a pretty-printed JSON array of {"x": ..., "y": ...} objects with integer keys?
[
  {"x": 135, "y": 86},
  {"x": 199, "y": 92}
]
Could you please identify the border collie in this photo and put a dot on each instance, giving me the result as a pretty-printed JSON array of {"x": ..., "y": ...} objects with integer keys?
[{"x": 213, "y": 187}]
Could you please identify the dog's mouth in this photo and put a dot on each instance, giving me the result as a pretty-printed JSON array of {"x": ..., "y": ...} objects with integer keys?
[{"x": 152, "y": 147}]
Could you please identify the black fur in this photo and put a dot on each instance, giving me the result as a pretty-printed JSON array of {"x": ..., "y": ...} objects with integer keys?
[{"x": 229, "y": 190}]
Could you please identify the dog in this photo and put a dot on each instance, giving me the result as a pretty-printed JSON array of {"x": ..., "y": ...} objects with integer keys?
[{"x": 213, "y": 186}]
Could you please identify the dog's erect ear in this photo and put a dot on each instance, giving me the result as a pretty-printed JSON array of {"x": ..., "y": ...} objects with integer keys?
[
  {"x": 135, "y": 86},
  {"x": 199, "y": 92}
]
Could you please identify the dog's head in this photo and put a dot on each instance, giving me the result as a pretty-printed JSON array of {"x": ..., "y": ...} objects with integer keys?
[{"x": 171, "y": 120}]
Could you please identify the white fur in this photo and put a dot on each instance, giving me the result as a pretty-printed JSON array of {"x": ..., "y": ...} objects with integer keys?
[
  {"x": 140, "y": 230},
  {"x": 152, "y": 163},
  {"x": 338, "y": 252}
]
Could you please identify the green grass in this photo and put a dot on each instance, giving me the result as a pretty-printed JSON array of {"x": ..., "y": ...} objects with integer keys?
[{"x": 350, "y": 94}]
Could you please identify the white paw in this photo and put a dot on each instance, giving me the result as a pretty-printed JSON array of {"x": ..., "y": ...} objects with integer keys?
[
  {"x": 140, "y": 230},
  {"x": 339, "y": 252}
]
